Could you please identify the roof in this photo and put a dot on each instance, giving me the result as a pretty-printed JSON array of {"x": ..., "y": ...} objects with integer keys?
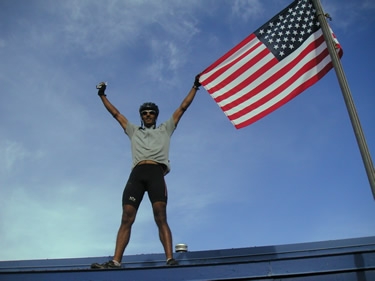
[{"x": 346, "y": 259}]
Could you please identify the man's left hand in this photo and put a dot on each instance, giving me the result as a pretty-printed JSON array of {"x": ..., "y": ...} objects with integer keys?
[
  {"x": 197, "y": 84},
  {"x": 101, "y": 88}
]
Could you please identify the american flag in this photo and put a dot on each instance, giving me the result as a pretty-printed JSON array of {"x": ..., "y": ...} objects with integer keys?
[{"x": 271, "y": 66}]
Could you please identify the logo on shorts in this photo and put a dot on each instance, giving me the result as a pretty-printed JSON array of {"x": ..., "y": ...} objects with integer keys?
[{"x": 131, "y": 198}]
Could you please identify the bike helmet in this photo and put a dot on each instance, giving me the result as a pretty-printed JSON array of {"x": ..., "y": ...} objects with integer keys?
[{"x": 149, "y": 106}]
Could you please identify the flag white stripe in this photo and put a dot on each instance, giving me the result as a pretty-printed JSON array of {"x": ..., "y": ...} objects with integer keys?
[
  {"x": 311, "y": 73},
  {"x": 242, "y": 78},
  {"x": 234, "y": 67},
  {"x": 278, "y": 67},
  {"x": 253, "y": 79},
  {"x": 243, "y": 50}
]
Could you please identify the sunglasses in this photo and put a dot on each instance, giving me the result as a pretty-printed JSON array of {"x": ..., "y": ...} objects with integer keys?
[{"x": 145, "y": 112}]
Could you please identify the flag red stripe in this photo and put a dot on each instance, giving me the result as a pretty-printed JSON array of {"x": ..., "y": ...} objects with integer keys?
[
  {"x": 252, "y": 79},
  {"x": 258, "y": 73},
  {"x": 238, "y": 72},
  {"x": 278, "y": 75},
  {"x": 230, "y": 53},
  {"x": 282, "y": 87},
  {"x": 293, "y": 94}
]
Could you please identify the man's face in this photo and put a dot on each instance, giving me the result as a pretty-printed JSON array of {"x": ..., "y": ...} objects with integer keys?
[{"x": 148, "y": 117}]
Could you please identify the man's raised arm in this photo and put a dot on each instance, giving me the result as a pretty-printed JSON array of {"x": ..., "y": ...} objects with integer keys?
[
  {"x": 110, "y": 107},
  {"x": 187, "y": 101}
]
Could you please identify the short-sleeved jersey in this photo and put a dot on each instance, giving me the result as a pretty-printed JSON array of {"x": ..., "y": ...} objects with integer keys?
[{"x": 151, "y": 143}]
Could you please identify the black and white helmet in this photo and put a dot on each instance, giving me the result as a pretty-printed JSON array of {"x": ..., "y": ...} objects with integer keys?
[{"x": 149, "y": 106}]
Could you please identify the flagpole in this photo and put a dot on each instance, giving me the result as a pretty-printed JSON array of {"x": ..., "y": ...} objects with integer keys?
[{"x": 366, "y": 157}]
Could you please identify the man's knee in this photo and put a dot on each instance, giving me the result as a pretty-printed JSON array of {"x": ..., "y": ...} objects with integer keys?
[
  {"x": 128, "y": 215},
  {"x": 160, "y": 213}
]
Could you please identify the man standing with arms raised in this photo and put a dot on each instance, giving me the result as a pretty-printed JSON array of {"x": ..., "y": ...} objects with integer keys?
[{"x": 150, "y": 155}]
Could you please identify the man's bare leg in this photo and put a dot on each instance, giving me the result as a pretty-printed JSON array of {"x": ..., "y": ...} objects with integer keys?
[
  {"x": 160, "y": 215},
  {"x": 123, "y": 235}
]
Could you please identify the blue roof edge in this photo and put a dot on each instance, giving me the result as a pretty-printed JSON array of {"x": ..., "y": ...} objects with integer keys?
[{"x": 344, "y": 259}]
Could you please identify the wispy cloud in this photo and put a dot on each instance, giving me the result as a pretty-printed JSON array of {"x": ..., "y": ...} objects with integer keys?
[
  {"x": 247, "y": 9},
  {"x": 13, "y": 154},
  {"x": 99, "y": 28},
  {"x": 368, "y": 4},
  {"x": 356, "y": 13}
]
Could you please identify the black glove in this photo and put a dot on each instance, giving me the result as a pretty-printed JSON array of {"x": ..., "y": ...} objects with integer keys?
[
  {"x": 197, "y": 84},
  {"x": 101, "y": 88}
]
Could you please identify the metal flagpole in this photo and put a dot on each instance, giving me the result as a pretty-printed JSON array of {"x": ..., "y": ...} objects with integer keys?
[{"x": 366, "y": 157}]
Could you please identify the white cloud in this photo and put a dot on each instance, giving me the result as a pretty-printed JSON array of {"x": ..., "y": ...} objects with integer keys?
[
  {"x": 100, "y": 27},
  {"x": 60, "y": 221},
  {"x": 352, "y": 15},
  {"x": 167, "y": 58},
  {"x": 247, "y": 9},
  {"x": 368, "y": 4},
  {"x": 12, "y": 154}
]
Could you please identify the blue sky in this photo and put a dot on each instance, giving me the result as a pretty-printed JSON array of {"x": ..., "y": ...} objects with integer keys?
[{"x": 294, "y": 176}]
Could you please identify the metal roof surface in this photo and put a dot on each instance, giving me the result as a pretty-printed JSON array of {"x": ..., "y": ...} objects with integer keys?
[{"x": 346, "y": 259}]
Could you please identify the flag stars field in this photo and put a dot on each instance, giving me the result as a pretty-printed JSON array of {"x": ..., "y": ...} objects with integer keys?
[{"x": 271, "y": 78}]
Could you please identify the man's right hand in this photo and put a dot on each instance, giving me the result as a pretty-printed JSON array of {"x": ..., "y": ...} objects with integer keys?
[
  {"x": 101, "y": 88},
  {"x": 197, "y": 84}
]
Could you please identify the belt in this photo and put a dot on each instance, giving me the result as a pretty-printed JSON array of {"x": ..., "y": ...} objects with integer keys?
[{"x": 147, "y": 162}]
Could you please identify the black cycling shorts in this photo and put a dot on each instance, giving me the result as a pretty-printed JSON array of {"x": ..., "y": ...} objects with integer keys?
[{"x": 146, "y": 177}]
